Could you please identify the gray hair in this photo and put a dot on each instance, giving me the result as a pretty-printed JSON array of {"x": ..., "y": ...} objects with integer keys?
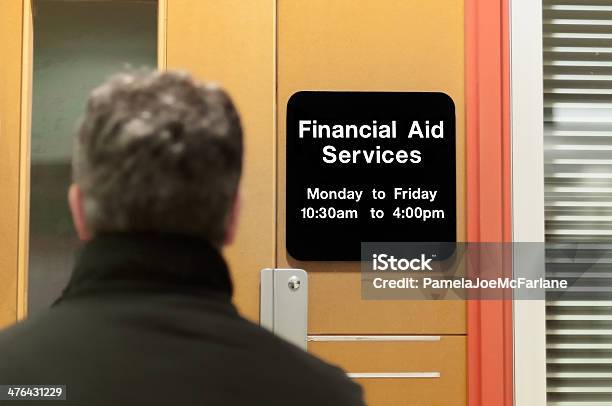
[{"x": 158, "y": 152}]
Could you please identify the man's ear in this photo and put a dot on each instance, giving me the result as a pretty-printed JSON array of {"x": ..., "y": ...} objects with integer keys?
[
  {"x": 232, "y": 224},
  {"x": 75, "y": 201}
]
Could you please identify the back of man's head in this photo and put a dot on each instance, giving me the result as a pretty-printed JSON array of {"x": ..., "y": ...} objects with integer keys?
[{"x": 158, "y": 152}]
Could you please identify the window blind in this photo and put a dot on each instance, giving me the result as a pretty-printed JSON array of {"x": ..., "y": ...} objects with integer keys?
[{"x": 578, "y": 195}]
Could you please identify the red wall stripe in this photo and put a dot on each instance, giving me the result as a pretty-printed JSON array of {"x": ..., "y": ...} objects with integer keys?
[{"x": 488, "y": 191}]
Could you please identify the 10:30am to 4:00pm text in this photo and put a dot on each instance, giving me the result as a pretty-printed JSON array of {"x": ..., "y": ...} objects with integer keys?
[{"x": 345, "y": 195}]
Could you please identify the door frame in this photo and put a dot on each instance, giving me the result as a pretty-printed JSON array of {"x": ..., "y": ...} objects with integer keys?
[
  {"x": 506, "y": 339},
  {"x": 488, "y": 171},
  {"x": 23, "y": 138},
  {"x": 527, "y": 123},
  {"x": 15, "y": 40},
  {"x": 27, "y": 54}
]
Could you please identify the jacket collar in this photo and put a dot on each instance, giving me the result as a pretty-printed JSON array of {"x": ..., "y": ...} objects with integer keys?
[{"x": 145, "y": 262}]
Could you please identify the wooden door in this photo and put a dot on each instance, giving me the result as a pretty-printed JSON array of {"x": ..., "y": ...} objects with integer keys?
[
  {"x": 263, "y": 51},
  {"x": 376, "y": 46}
]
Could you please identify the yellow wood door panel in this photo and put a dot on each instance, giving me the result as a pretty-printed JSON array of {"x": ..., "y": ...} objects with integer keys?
[
  {"x": 446, "y": 357},
  {"x": 11, "y": 18},
  {"x": 233, "y": 42},
  {"x": 370, "y": 45},
  {"x": 263, "y": 52},
  {"x": 335, "y": 307}
]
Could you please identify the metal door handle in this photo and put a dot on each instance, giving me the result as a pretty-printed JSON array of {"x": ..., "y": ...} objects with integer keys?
[{"x": 402, "y": 375}]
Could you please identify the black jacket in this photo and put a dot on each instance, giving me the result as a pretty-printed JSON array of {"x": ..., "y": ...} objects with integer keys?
[{"x": 148, "y": 320}]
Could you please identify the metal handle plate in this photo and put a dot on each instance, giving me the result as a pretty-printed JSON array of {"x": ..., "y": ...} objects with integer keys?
[{"x": 284, "y": 304}]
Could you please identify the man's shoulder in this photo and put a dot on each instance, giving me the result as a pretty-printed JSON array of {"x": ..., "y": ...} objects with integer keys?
[
  {"x": 227, "y": 344},
  {"x": 31, "y": 335},
  {"x": 21, "y": 345}
]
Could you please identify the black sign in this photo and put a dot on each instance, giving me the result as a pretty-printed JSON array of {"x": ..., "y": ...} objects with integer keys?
[{"x": 368, "y": 166}]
